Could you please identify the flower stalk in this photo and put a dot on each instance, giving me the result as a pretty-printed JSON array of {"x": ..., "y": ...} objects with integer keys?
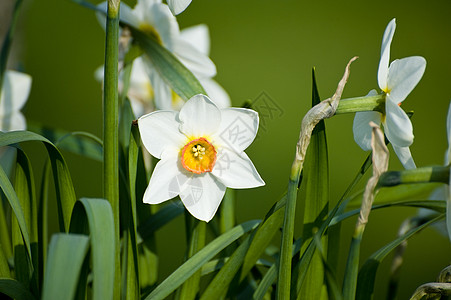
[
  {"x": 322, "y": 110},
  {"x": 380, "y": 164},
  {"x": 438, "y": 174},
  {"x": 111, "y": 128},
  {"x": 365, "y": 103}
]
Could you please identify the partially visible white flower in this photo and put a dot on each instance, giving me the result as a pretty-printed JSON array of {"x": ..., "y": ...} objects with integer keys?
[
  {"x": 178, "y": 6},
  {"x": 15, "y": 90},
  {"x": 191, "y": 46},
  {"x": 201, "y": 152},
  {"x": 443, "y": 192},
  {"x": 396, "y": 81}
]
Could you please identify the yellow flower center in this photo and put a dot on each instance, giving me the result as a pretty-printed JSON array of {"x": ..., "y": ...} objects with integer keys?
[
  {"x": 198, "y": 156},
  {"x": 150, "y": 31}
]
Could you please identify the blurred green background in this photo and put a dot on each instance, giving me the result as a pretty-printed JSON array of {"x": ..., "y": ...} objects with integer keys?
[{"x": 264, "y": 46}]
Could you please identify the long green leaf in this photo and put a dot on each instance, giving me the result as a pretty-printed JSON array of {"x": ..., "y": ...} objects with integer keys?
[
  {"x": 175, "y": 74},
  {"x": 131, "y": 280},
  {"x": 66, "y": 255},
  {"x": 199, "y": 259},
  {"x": 25, "y": 191},
  {"x": 77, "y": 142},
  {"x": 302, "y": 266},
  {"x": 165, "y": 215},
  {"x": 98, "y": 215},
  {"x": 15, "y": 289},
  {"x": 316, "y": 184},
  {"x": 247, "y": 254},
  {"x": 437, "y": 205},
  {"x": 367, "y": 274},
  {"x": 63, "y": 183},
  {"x": 14, "y": 202}
]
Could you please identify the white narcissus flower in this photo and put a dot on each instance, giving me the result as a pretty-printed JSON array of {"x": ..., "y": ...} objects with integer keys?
[
  {"x": 201, "y": 152},
  {"x": 178, "y": 6},
  {"x": 396, "y": 81}
]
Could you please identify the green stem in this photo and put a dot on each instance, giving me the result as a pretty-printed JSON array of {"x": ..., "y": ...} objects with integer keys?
[
  {"x": 284, "y": 278},
  {"x": 366, "y": 103},
  {"x": 110, "y": 128},
  {"x": 420, "y": 175}
]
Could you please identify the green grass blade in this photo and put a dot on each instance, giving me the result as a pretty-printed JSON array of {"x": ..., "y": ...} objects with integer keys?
[
  {"x": 78, "y": 142},
  {"x": 397, "y": 193},
  {"x": 14, "y": 289},
  {"x": 14, "y": 202},
  {"x": 367, "y": 274},
  {"x": 43, "y": 221},
  {"x": 62, "y": 274},
  {"x": 4, "y": 266},
  {"x": 247, "y": 254},
  {"x": 63, "y": 183},
  {"x": 131, "y": 278},
  {"x": 164, "y": 216},
  {"x": 316, "y": 184},
  {"x": 437, "y": 205},
  {"x": 5, "y": 235},
  {"x": 175, "y": 74},
  {"x": 333, "y": 290},
  {"x": 99, "y": 217},
  {"x": 196, "y": 237},
  {"x": 199, "y": 259},
  {"x": 25, "y": 191}
]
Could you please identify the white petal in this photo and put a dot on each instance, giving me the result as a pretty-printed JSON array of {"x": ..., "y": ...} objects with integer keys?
[
  {"x": 198, "y": 36},
  {"x": 14, "y": 121},
  {"x": 403, "y": 75},
  {"x": 165, "y": 182},
  {"x": 161, "y": 19},
  {"x": 216, "y": 93},
  {"x": 405, "y": 157},
  {"x": 382, "y": 73},
  {"x": 236, "y": 170},
  {"x": 177, "y": 6},
  {"x": 199, "y": 117},
  {"x": 238, "y": 128},
  {"x": 202, "y": 196},
  {"x": 15, "y": 90},
  {"x": 160, "y": 132},
  {"x": 448, "y": 130},
  {"x": 397, "y": 126},
  {"x": 197, "y": 62},
  {"x": 362, "y": 129}
]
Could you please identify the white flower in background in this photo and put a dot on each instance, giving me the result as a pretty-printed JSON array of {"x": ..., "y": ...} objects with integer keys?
[
  {"x": 442, "y": 192},
  {"x": 155, "y": 19},
  {"x": 178, "y": 6},
  {"x": 396, "y": 81},
  {"x": 15, "y": 90},
  {"x": 140, "y": 91},
  {"x": 201, "y": 152},
  {"x": 447, "y": 161}
]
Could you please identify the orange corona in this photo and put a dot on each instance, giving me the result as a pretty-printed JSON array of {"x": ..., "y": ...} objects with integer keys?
[{"x": 198, "y": 156}]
